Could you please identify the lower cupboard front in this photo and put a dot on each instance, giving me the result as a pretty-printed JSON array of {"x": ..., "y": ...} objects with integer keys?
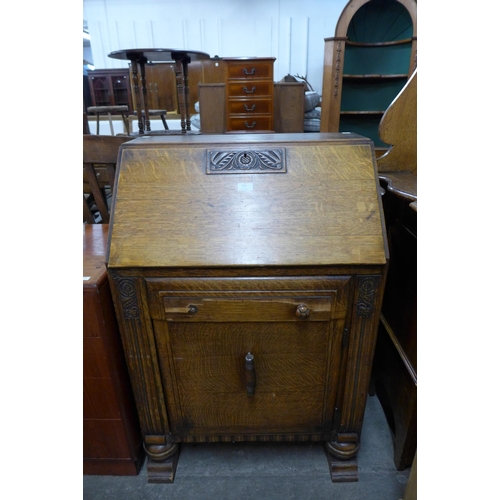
[
  {"x": 282, "y": 358},
  {"x": 204, "y": 373}
]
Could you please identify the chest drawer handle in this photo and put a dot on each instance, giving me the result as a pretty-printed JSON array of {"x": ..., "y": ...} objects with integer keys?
[
  {"x": 302, "y": 311},
  {"x": 247, "y": 125},
  {"x": 252, "y": 72},
  {"x": 250, "y": 91},
  {"x": 248, "y": 108},
  {"x": 250, "y": 378}
]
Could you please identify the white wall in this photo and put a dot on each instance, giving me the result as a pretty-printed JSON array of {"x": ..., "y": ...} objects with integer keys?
[{"x": 293, "y": 31}]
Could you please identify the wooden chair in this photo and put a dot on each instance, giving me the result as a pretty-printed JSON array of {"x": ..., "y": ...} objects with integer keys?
[
  {"x": 100, "y": 153},
  {"x": 398, "y": 127},
  {"x": 108, "y": 110}
]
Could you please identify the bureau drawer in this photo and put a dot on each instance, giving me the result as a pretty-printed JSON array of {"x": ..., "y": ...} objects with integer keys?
[
  {"x": 250, "y": 123},
  {"x": 250, "y": 300},
  {"x": 249, "y": 69},
  {"x": 250, "y": 88},
  {"x": 254, "y": 309},
  {"x": 250, "y": 106}
]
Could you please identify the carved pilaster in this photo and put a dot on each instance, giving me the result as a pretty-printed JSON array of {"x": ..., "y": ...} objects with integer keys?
[
  {"x": 360, "y": 345},
  {"x": 140, "y": 354},
  {"x": 339, "y": 48},
  {"x": 366, "y": 296},
  {"x": 128, "y": 297}
]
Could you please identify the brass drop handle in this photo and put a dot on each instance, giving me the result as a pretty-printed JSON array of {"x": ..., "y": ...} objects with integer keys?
[
  {"x": 250, "y": 378},
  {"x": 249, "y": 91},
  {"x": 249, "y": 109},
  {"x": 247, "y": 125},
  {"x": 252, "y": 72},
  {"x": 302, "y": 311}
]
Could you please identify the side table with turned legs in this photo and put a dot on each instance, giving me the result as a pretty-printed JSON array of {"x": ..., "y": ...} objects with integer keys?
[{"x": 138, "y": 59}]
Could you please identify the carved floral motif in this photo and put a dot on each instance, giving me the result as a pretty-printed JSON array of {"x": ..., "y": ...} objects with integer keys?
[
  {"x": 255, "y": 161},
  {"x": 367, "y": 288},
  {"x": 128, "y": 297}
]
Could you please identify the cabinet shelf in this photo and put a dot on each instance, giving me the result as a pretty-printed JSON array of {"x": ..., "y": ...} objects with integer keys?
[
  {"x": 380, "y": 44},
  {"x": 367, "y": 63},
  {"x": 376, "y": 77}
]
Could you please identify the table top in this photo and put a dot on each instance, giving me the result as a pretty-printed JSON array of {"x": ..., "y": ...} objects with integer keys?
[
  {"x": 95, "y": 240},
  {"x": 154, "y": 55}
]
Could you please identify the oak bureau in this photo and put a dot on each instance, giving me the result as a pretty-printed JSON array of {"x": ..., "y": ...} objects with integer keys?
[{"x": 247, "y": 273}]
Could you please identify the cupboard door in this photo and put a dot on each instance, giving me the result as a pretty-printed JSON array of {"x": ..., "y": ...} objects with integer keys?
[
  {"x": 110, "y": 87},
  {"x": 99, "y": 90},
  {"x": 294, "y": 340}
]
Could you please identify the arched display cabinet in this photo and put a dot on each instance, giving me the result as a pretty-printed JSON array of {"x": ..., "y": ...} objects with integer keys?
[{"x": 367, "y": 63}]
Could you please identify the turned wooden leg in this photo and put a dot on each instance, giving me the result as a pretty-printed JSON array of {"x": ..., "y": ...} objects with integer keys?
[
  {"x": 341, "y": 455},
  {"x": 162, "y": 459},
  {"x": 181, "y": 95},
  {"x": 137, "y": 92},
  {"x": 185, "y": 62},
  {"x": 144, "y": 88}
]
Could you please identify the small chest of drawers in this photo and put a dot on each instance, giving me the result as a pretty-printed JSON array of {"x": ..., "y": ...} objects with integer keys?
[
  {"x": 249, "y": 94},
  {"x": 247, "y": 274}
]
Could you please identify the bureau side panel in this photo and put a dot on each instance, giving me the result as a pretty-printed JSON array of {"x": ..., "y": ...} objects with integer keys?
[
  {"x": 359, "y": 353},
  {"x": 140, "y": 352}
]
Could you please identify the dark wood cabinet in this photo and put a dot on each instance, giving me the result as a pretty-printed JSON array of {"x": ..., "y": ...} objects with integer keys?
[
  {"x": 247, "y": 273},
  {"x": 161, "y": 87},
  {"x": 162, "y": 84},
  {"x": 395, "y": 365},
  {"x": 112, "y": 443},
  {"x": 110, "y": 87}
]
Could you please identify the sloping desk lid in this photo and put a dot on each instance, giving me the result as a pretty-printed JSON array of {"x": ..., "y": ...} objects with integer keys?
[{"x": 246, "y": 200}]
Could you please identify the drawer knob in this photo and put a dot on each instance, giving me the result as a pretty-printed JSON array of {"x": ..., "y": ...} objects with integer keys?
[
  {"x": 250, "y": 91},
  {"x": 249, "y": 109},
  {"x": 252, "y": 72},
  {"x": 192, "y": 309},
  {"x": 250, "y": 378},
  {"x": 302, "y": 311}
]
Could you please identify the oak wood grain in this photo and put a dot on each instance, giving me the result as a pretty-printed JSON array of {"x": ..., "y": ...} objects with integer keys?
[
  {"x": 287, "y": 266},
  {"x": 398, "y": 127},
  {"x": 198, "y": 220}
]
